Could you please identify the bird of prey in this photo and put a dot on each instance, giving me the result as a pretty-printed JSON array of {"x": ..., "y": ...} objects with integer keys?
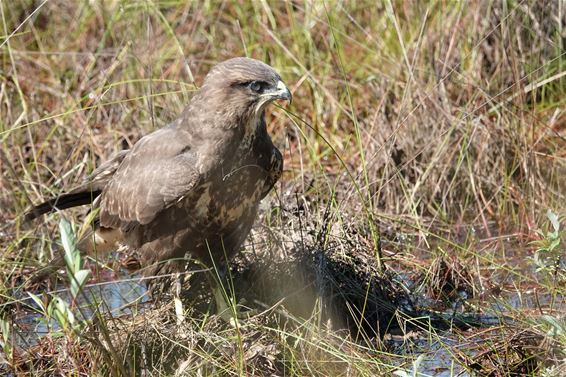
[{"x": 194, "y": 186}]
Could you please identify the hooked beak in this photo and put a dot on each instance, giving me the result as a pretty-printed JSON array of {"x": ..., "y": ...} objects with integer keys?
[{"x": 280, "y": 92}]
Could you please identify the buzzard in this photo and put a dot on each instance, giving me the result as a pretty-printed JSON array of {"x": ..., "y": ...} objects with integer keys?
[{"x": 192, "y": 187}]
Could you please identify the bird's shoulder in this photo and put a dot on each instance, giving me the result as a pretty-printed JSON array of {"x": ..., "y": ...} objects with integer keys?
[{"x": 163, "y": 143}]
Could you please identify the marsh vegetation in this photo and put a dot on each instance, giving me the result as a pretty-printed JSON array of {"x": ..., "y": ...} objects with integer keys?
[{"x": 418, "y": 228}]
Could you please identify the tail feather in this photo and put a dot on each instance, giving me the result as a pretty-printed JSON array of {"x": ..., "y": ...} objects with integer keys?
[
  {"x": 73, "y": 199},
  {"x": 84, "y": 194}
]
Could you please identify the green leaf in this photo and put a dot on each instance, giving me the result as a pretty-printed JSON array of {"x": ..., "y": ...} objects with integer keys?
[
  {"x": 5, "y": 329},
  {"x": 58, "y": 306},
  {"x": 37, "y": 300},
  {"x": 63, "y": 314},
  {"x": 77, "y": 281},
  {"x": 554, "y": 244},
  {"x": 554, "y": 220},
  {"x": 556, "y": 326},
  {"x": 69, "y": 243}
]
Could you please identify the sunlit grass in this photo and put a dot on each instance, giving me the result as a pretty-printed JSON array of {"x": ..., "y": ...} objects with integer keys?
[{"x": 427, "y": 138}]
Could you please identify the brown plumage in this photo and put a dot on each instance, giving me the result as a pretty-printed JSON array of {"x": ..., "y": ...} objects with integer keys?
[{"x": 194, "y": 186}]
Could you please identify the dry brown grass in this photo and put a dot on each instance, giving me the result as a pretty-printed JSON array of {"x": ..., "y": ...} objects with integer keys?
[{"x": 415, "y": 127}]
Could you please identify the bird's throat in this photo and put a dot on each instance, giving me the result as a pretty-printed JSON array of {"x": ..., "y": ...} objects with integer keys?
[{"x": 250, "y": 129}]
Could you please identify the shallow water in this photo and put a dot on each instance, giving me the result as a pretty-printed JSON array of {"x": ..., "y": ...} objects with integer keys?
[
  {"x": 125, "y": 296},
  {"x": 437, "y": 358},
  {"x": 119, "y": 297}
]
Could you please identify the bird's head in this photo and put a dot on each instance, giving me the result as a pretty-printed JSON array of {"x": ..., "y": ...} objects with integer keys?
[{"x": 244, "y": 87}]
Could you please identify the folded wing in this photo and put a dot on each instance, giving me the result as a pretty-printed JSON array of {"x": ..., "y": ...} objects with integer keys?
[{"x": 160, "y": 170}]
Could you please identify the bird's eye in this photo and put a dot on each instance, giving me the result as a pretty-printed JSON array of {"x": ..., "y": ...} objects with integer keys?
[{"x": 256, "y": 86}]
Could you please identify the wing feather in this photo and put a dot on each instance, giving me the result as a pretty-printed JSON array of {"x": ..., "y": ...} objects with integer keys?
[{"x": 160, "y": 169}]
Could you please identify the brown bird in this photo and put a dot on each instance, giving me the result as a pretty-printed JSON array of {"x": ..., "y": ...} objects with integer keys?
[{"x": 192, "y": 187}]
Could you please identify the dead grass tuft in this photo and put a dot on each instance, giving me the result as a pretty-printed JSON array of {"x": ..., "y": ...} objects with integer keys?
[{"x": 409, "y": 125}]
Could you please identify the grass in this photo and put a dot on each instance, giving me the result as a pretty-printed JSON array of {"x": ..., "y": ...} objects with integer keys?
[{"x": 424, "y": 146}]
